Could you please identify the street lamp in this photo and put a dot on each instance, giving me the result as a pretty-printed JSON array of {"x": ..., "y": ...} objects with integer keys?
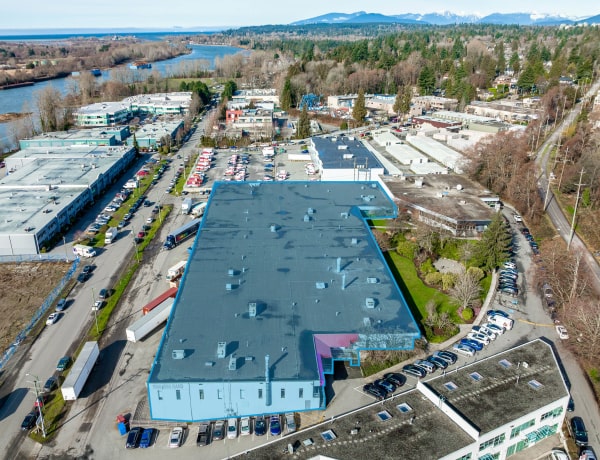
[
  {"x": 137, "y": 255},
  {"x": 95, "y": 310},
  {"x": 39, "y": 403}
]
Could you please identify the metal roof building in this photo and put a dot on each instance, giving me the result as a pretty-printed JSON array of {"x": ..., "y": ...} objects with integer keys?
[
  {"x": 345, "y": 158},
  {"x": 284, "y": 279},
  {"x": 46, "y": 188}
]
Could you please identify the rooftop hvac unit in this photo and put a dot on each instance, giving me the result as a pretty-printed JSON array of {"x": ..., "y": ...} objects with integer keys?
[
  {"x": 354, "y": 241},
  {"x": 178, "y": 354},
  {"x": 321, "y": 285},
  {"x": 306, "y": 218},
  {"x": 367, "y": 322},
  {"x": 310, "y": 211},
  {"x": 232, "y": 363},
  {"x": 372, "y": 280},
  {"x": 221, "y": 349},
  {"x": 252, "y": 309},
  {"x": 229, "y": 287},
  {"x": 370, "y": 302}
]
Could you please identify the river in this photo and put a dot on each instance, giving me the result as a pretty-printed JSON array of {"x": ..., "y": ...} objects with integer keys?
[{"x": 13, "y": 100}]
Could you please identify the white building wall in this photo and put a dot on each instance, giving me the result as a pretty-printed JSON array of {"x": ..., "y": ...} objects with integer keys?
[
  {"x": 211, "y": 400},
  {"x": 350, "y": 174}
]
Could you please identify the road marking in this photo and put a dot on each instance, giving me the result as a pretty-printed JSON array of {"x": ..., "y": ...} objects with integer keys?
[{"x": 535, "y": 324}]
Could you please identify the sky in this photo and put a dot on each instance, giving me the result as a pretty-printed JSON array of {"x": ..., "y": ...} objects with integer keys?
[{"x": 59, "y": 14}]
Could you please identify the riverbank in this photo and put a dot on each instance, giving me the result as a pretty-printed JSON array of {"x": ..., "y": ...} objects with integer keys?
[{"x": 10, "y": 116}]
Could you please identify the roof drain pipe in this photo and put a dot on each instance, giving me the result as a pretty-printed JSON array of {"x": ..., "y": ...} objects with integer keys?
[{"x": 267, "y": 382}]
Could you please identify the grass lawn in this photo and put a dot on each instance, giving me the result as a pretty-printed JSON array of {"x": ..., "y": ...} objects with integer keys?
[{"x": 415, "y": 292}]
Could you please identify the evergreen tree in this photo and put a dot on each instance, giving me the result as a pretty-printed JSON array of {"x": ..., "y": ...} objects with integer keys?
[
  {"x": 303, "y": 130},
  {"x": 402, "y": 102},
  {"x": 493, "y": 248},
  {"x": 426, "y": 81},
  {"x": 359, "y": 112},
  {"x": 285, "y": 101}
]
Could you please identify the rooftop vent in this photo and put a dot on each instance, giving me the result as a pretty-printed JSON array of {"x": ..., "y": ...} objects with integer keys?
[
  {"x": 178, "y": 354},
  {"x": 367, "y": 322},
  {"x": 354, "y": 241},
  {"x": 231, "y": 272},
  {"x": 229, "y": 287},
  {"x": 321, "y": 285},
  {"x": 306, "y": 218},
  {"x": 252, "y": 309},
  {"x": 273, "y": 228},
  {"x": 344, "y": 215},
  {"x": 221, "y": 349},
  {"x": 310, "y": 211}
]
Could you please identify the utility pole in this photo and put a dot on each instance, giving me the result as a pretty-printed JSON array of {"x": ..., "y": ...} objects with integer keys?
[
  {"x": 563, "y": 168},
  {"x": 94, "y": 309},
  {"x": 572, "y": 233},
  {"x": 39, "y": 402}
]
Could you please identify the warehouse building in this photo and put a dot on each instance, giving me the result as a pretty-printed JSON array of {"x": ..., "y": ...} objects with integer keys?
[
  {"x": 93, "y": 136},
  {"x": 152, "y": 135},
  {"x": 46, "y": 188},
  {"x": 284, "y": 279},
  {"x": 345, "y": 158},
  {"x": 176, "y": 103}
]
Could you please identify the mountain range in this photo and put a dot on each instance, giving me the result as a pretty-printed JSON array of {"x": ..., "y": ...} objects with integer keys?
[{"x": 446, "y": 18}]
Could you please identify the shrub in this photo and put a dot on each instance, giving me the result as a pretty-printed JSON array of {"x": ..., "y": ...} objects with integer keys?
[
  {"x": 407, "y": 249},
  {"x": 427, "y": 267},
  {"x": 433, "y": 279},
  {"x": 467, "y": 314},
  {"x": 476, "y": 272},
  {"x": 448, "y": 280}
]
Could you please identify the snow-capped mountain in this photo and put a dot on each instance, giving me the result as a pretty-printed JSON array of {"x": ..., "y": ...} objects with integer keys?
[{"x": 443, "y": 18}]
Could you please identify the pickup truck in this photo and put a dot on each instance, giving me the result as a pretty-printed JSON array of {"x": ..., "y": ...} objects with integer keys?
[{"x": 203, "y": 438}]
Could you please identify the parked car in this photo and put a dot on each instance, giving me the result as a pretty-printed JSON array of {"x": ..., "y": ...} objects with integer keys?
[
  {"x": 578, "y": 431},
  {"x": 50, "y": 384},
  {"x": 587, "y": 453},
  {"x": 232, "y": 428},
  {"x": 415, "y": 371},
  {"x": 387, "y": 386},
  {"x": 83, "y": 277},
  {"x": 176, "y": 437},
  {"x": 63, "y": 363},
  {"x": 149, "y": 220},
  {"x": 438, "y": 362},
  {"x": 290, "y": 422},
  {"x": 121, "y": 224},
  {"x": 127, "y": 216},
  {"x": 219, "y": 431},
  {"x": 557, "y": 454},
  {"x": 147, "y": 438},
  {"x": 485, "y": 331},
  {"x": 52, "y": 318},
  {"x": 141, "y": 235},
  {"x": 244, "y": 426},
  {"x": 88, "y": 269},
  {"x": 570, "y": 405},
  {"x": 97, "y": 306},
  {"x": 275, "y": 425},
  {"x": 133, "y": 438},
  {"x": 203, "y": 438},
  {"x": 429, "y": 368},
  {"x": 463, "y": 349},
  {"x": 395, "y": 378},
  {"x": 61, "y": 304},
  {"x": 260, "y": 426},
  {"x": 103, "y": 294},
  {"x": 494, "y": 328},
  {"x": 447, "y": 356},
  {"x": 29, "y": 421},
  {"x": 497, "y": 312},
  {"x": 475, "y": 344}
]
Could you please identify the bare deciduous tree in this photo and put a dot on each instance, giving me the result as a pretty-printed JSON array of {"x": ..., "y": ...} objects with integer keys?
[{"x": 466, "y": 289}]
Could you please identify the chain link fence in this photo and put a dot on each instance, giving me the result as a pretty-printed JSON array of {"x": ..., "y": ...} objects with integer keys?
[{"x": 8, "y": 353}]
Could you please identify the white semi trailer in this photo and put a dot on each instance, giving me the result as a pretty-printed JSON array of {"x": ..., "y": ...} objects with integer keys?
[
  {"x": 147, "y": 323},
  {"x": 73, "y": 384}
]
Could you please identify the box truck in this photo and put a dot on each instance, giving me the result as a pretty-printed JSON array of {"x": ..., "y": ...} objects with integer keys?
[
  {"x": 186, "y": 206},
  {"x": 110, "y": 235},
  {"x": 84, "y": 251},
  {"x": 176, "y": 270},
  {"x": 73, "y": 384},
  {"x": 198, "y": 209},
  {"x": 147, "y": 323}
]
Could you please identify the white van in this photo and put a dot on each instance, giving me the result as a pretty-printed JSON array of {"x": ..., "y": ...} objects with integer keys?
[{"x": 501, "y": 321}]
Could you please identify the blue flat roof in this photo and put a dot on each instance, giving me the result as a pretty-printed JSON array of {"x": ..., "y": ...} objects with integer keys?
[
  {"x": 304, "y": 254},
  {"x": 333, "y": 149}
]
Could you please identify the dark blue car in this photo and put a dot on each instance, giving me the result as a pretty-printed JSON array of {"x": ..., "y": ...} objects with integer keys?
[{"x": 472, "y": 343}]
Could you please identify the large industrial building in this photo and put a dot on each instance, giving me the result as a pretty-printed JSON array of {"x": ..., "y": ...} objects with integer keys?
[
  {"x": 152, "y": 135},
  {"x": 284, "y": 279},
  {"x": 92, "y": 136},
  {"x": 46, "y": 187},
  {"x": 345, "y": 158}
]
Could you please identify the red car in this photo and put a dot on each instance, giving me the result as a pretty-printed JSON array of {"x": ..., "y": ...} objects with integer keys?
[{"x": 141, "y": 234}]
